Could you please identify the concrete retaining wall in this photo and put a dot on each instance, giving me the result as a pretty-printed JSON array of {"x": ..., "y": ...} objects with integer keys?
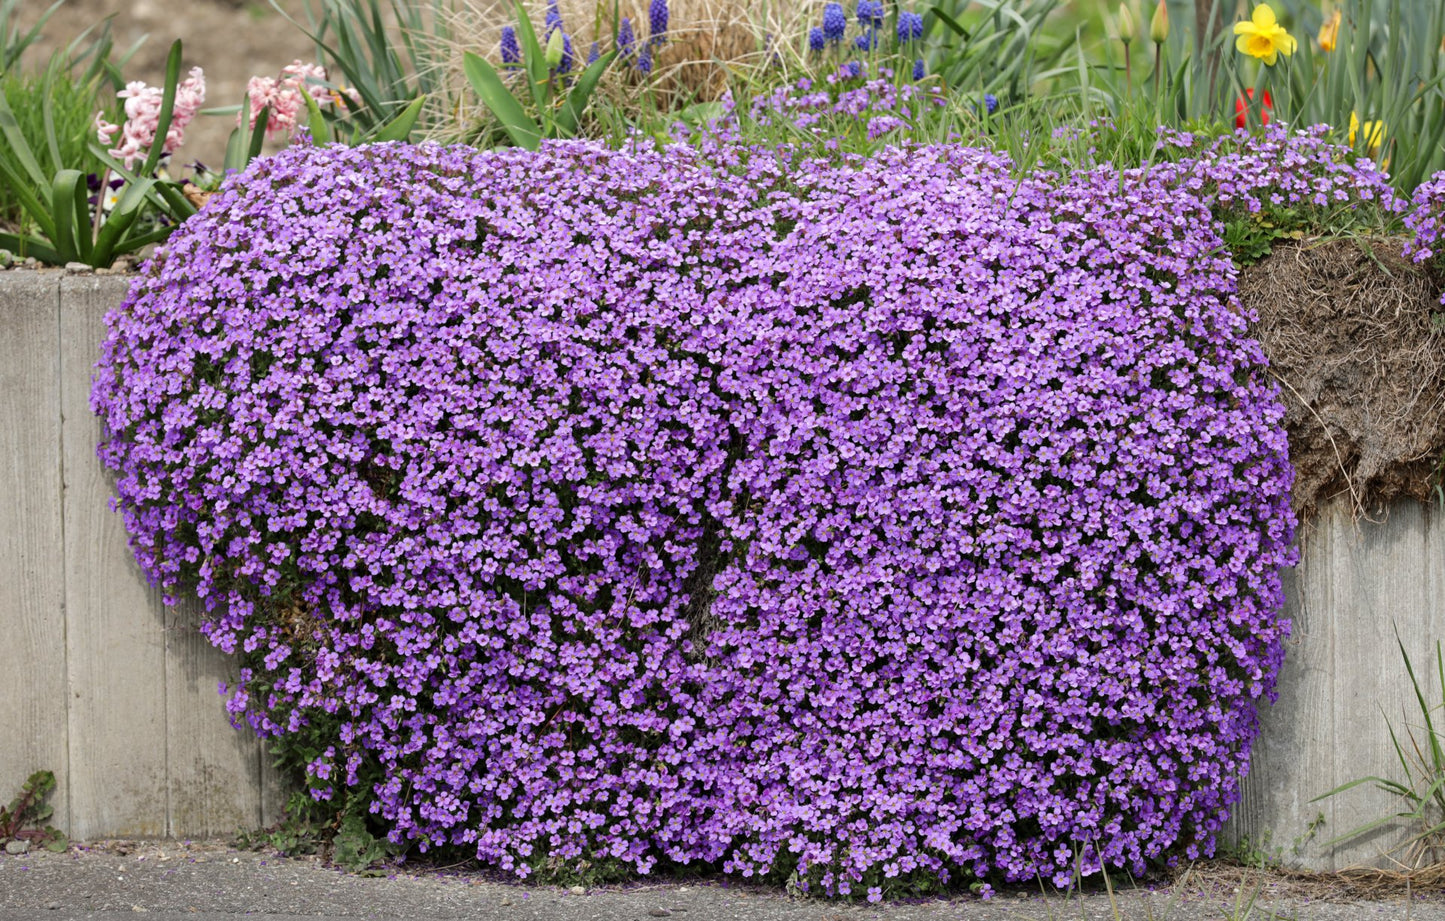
[
  {"x": 116, "y": 693},
  {"x": 100, "y": 682}
]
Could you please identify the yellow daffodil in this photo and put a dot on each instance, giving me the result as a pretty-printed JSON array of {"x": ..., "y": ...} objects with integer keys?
[
  {"x": 1330, "y": 32},
  {"x": 1373, "y": 132},
  {"x": 1263, "y": 37}
]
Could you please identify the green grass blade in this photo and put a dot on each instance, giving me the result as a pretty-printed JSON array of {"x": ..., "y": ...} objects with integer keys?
[
  {"x": 28, "y": 245},
  {"x": 19, "y": 146}
]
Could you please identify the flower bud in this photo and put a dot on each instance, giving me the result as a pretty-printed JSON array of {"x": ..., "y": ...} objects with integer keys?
[
  {"x": 1329, "y": 35},
  {"x": 1127, "y": 26},
  {"x": 556, "y": 44},
  {"x": 1159, "y": 25}
]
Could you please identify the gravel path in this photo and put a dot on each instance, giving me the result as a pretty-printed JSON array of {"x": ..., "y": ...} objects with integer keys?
[{"x": 208, "y": 881}]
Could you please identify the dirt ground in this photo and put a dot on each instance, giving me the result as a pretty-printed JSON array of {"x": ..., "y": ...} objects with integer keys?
[{"x": 231, "y": 40}]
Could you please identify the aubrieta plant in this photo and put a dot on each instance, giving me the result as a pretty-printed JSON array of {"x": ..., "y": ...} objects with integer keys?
[{"x": 867, "y": 523}]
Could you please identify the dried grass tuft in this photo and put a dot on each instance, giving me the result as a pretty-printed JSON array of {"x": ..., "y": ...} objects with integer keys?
[{"x": 711, "y": 44}]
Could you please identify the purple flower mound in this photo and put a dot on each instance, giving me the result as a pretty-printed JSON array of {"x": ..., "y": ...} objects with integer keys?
[{"x": 880, "y": 522}]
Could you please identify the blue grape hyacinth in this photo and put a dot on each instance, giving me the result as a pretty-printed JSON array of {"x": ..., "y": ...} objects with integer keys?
[
  {"x": 511, "y": 51},
  {"x": 835, "y": 22},
  {"x": 910, "y": 27},
  {"x": 626, "y": 39},
  {"x": 816, "y": 40},
  {"x": 657, "y": 21}
]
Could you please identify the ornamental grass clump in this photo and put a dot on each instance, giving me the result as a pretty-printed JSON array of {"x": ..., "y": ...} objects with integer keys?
[{"x": 872, "y": 525}]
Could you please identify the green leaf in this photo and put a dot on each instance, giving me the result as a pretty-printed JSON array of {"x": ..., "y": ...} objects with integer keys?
[
  {"x": 68, "y": 196},
  {"x": 581, "y": 93},
  {"x": 167, "y": 111},
  {"x": 41, "y": 249},
  {"x": 499, "y": 100},
  {"x": 950, "y": 22},
  {"x": 19, "y": 146},
  {"x": 400, "y": 128},
  {"x": 112, "y": 240},
  {"x": 316, "y": 122},
  {"x": 30, "y": 202},
  {"x": 534, "y": 59}
]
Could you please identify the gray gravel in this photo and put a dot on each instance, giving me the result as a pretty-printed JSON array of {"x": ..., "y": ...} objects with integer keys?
[{"x": 211, "y": 882}]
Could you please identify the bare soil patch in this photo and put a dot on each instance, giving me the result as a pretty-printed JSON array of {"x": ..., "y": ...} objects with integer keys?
[{"x": 1354, "y": 335}]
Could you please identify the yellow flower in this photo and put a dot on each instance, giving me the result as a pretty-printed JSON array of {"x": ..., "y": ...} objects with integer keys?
[
  {"x": 1374, "y": 133},
  {"x": 1263, "y": 37},
  {"x": 1330, "y": 32}
]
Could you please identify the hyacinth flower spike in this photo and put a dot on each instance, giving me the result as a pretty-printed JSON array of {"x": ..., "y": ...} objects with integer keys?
[
  {"x": 511, "y": 50},
  {"x": 626, "y": 38},
  {"x": 835, "y": 22}
]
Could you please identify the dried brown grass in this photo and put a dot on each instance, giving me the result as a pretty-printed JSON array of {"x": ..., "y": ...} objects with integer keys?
[
  {"x": 711, "y": 44},
  {"x": 1215, "y": 878}
]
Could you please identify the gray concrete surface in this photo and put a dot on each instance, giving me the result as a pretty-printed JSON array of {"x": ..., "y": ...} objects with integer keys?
[{"x": 210, "y": 882}]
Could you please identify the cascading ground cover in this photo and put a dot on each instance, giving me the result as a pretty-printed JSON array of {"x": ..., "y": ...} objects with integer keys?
[{"x": 880, "y": 521}]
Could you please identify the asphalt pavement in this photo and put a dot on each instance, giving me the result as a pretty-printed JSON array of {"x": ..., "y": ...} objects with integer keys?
[{"x": 209, "y": 881}]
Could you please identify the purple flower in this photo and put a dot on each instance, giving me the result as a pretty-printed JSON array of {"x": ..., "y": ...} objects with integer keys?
[
  {"x": 657, "y": 21},
  {"x": 870, "y": 14},
  {"x": 644, "y": 60},
  {"x": 626, "y": 41},
  {"x": 835, "y": 22},
  {"x": 990, "y": 102},
  {"x": 918, "y": 69},
  {"x": 568, "y": 57},
  {"x": 903, "y": 517},
  {"x": 511, "y": 50},
  {"x": 593, "y": 54},
  {"x": 553, "y": 20},
  {"x": 867, "y": 40},
  {"x": 816, "y": 40},
  {"x": 910, "y": 27}
]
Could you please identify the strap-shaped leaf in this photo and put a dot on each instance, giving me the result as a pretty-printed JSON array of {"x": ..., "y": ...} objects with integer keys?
[
  {"x": 571, "y": 114},
  {"x": 399, "y": 128},
  {"x": 111, "y": 240},
  {"x": 167, "y": 112},
  {"x": 315, "y": 121},
  {"x": 69, "y": 196},
  {"x": 534, "y": 60},
  {"x": 949, "y": 21},
  {"x": 496, "y": 97}
]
